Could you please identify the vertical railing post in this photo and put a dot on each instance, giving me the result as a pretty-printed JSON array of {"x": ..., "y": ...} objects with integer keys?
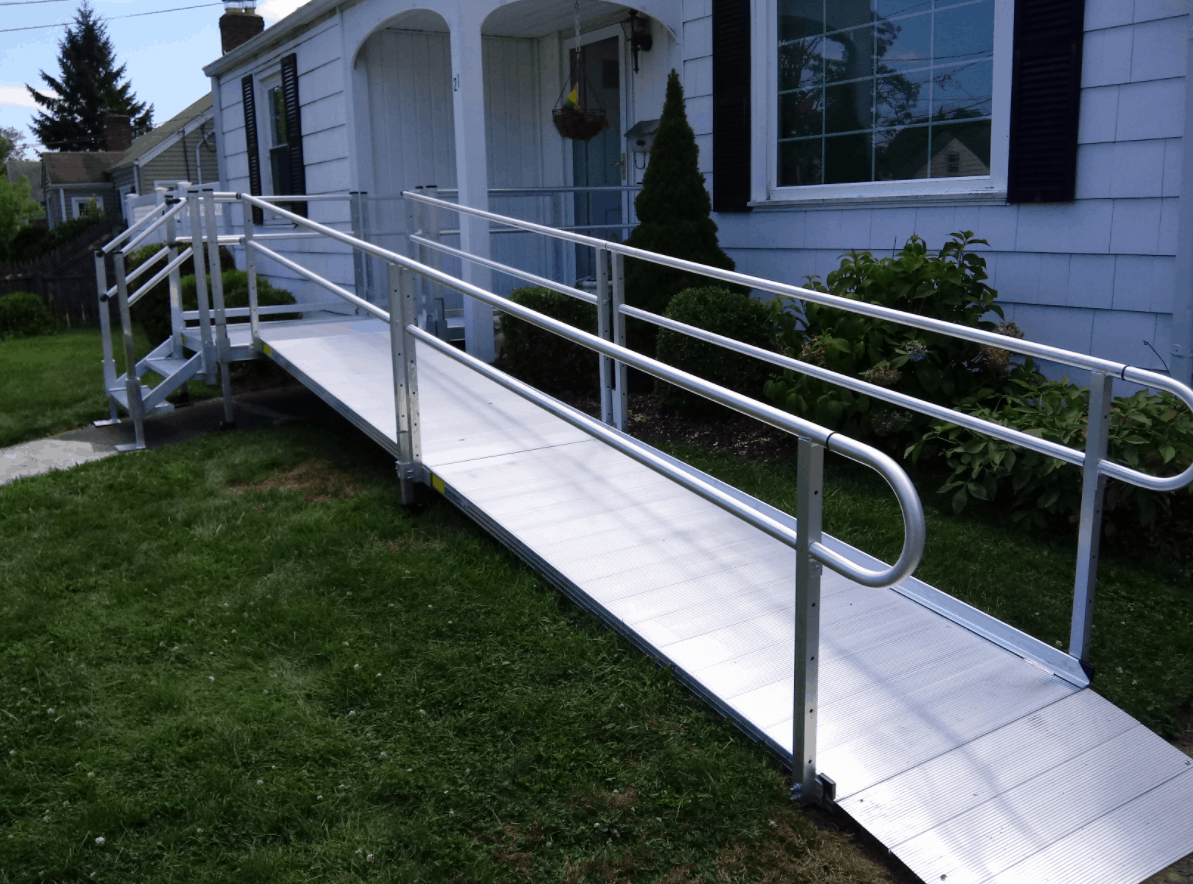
[
  {"x": 132, "y": 383},
  {"x": 197, "y": 256},
  {"x": 621, "y": 391},
  {"x": 806, "y": 787},
  {"x": 223, "y": 347},
  {"x": 105, "y": 333},
  {"x": 432, "y": 222},
  {"x": 414, "y": 222},
  {"x": 175, "y": 287},
  {"x": 1089, "y": 534},
  {"x": 250, "y": 270},
  {"x": 604, "y": 331},
  {"x": 403, "y": 312},
  {"x": 360, "y": 261}
]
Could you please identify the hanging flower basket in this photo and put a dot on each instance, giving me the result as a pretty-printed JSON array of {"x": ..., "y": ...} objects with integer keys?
[{"x": 579, "y": 125}]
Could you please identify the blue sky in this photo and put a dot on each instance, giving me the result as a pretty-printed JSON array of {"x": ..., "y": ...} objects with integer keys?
[{"x": 165, "y": 53}]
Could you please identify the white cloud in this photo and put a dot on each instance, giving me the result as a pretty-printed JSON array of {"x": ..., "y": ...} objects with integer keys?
[
  {"x": 276, "y": 10},
  {"x": 18, "y": 96}
]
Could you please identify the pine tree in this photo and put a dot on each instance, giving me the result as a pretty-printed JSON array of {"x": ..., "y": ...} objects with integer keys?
[
  {"x": 673, "y": 218},
  {"x": 88, "y": 86}
]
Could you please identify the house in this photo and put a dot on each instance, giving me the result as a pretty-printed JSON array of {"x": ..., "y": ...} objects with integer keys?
[
  {"x": 1051, "y": 128},
  {"x": 180, "y": 149},
  {"x": 72, "y": 180}
]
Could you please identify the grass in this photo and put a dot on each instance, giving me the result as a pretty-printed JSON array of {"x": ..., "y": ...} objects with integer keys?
[
  {"x": 54, "y": 383},
  {"x": 239, "y": 659}
]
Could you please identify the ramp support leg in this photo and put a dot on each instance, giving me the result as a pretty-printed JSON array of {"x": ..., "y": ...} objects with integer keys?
[
  {"x": 1089, "y": 534},
  {"x": 132, "y": 383},
  {"x": 105, "y": 336},
  {"x": 223, "y": 347},
  {"x": 403, "y": 313},
  {"x": 205, "y": 341},
  {"x": 806, "y": 786},
  {"x": 611, "y": 327}
]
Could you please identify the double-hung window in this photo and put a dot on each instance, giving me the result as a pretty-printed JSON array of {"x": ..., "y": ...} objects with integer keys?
[{"x": 875, "y": 97}]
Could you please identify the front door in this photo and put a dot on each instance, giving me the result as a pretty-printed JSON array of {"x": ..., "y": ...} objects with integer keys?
[{"x": 598, "y": 163}]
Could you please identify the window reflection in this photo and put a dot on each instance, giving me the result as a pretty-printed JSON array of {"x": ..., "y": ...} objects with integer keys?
[{"x": 873, "y": 90}]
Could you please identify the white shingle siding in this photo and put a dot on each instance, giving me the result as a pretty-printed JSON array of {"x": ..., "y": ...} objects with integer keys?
[{"x": 1065, "y": 272}]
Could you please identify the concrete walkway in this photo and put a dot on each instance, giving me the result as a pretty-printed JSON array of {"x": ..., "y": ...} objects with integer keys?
[{"x": 263, "y": 408}]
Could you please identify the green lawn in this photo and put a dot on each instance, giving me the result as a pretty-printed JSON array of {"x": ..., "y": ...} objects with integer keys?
[
  {"x": 235, "y": 683},
  {"x": 54, "y": 383}
]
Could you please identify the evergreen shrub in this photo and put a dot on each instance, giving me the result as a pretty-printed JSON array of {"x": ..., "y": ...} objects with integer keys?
[
  {"x": 674, "y": 218},
  {"x": 153, "y": 309},
  {"x": 543, "y": 359},
  {"x": 25, "y": 315},
  {"x": 726, "y": 313}
]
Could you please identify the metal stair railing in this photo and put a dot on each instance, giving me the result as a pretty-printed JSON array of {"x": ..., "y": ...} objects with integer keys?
[
  {"x": 1094, "y": 462},
  {"x": 812, "y": 555}
]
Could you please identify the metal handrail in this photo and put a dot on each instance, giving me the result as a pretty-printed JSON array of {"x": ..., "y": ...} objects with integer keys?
[
  {"x": 980, "y": 336},
  {"x": 146, "y": 287},
  {"x": 125, "y": 234},
  {"x": 523, "y": 275},
  {"x": 165, "y": 216},
  {"x": 915, "y": 529},
  {"x": 319, "y": 280}
]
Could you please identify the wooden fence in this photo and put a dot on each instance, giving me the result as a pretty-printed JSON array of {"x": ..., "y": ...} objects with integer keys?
[{"x": 65, "y": 276}]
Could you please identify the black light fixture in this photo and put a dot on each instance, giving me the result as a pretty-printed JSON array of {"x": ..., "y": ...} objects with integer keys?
[{"x": 638, "y": 34}]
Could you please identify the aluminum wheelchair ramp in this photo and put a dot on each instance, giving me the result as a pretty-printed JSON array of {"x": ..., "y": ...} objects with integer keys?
[{"x": 952, "y": 738}]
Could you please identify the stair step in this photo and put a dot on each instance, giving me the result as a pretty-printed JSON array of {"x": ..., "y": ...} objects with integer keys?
[
  {"x": 120, "y": 394},
  {"x": 165, "y": 366}
]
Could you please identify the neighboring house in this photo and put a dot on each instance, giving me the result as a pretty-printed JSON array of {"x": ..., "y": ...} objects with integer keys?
[
  {"x": 71, "y": 180},
  {"x": 1052, "y": 128},
  {"x": 30, "y": 170},
  {"x": 180, "y": 149}
]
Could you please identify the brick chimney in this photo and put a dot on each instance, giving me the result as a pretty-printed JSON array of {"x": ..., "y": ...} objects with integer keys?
[
  {"x": 239, "y": 24},
  {"x": 118, "y": 132}
]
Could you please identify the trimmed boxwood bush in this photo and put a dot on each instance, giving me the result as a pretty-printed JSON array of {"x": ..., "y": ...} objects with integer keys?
[
  {"x": 153, "y": 310},
  {"x": 25, "y": 315},
  {"x": 726, "y": 313},
  {"x": 545, "y": 360},
  {"x": 156, "y": 322}
]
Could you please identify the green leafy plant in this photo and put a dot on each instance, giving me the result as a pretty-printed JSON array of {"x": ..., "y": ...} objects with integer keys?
[
  {"x": 727, "y": 313},
  {"x": 1151, "y": 433},
  {"x": 153, "y": 309},
  {"x": 541, "y": 358},
  {"x": 674, "y": 218},
  {"x": 25, "y": 315},
  {"x": 950, "y": 286}
]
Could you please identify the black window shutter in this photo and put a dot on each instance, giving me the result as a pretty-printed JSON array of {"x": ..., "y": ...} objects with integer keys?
[
  {"x": 298, "y": 174},
  {"x": 1045, "y": 98},
  {"x": 731, "y": 105},
  {"x": 250, "y": 143}
]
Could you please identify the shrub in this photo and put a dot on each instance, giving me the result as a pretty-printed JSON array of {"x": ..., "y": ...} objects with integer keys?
[
  {"x": 1153, "y": 434},
  {"x": 153, "y": 309},
  {"x": 950, "y": 286},
  {"x": 673, "y": 219},
  {"x": 156, "y": 320},
  {"x": 25, "y": 315},
  {"x": 541, "y": 358},
  {"x": 726, "y": 313}
]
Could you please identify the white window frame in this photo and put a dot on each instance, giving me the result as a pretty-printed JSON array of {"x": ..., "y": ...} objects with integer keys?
[
  {"x": 78, "y": 203},
  {"x": 764, "y": 86},
  {"x": 263, "y": 83}
]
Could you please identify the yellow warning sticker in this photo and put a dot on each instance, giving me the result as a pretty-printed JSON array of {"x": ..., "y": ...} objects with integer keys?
[
  {"x": 268, "y": 349},
  {"x": 437, "y": 484}
]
